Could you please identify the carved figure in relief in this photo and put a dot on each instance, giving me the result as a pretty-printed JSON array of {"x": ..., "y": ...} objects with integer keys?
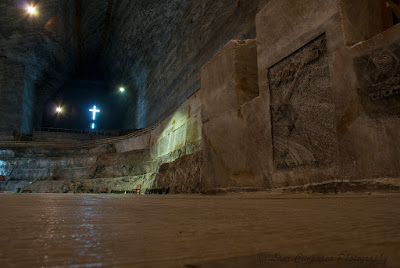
[
  {"x": 381, "y": 67},
  {"x": 298, "y": 86}
]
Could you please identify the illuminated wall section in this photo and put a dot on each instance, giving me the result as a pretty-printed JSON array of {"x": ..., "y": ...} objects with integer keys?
[{"x": 180, "y": 132}]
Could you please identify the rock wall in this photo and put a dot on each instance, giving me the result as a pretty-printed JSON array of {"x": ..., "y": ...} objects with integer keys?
[
  {"x": 181, "y": 176},
  {"x": 348, "y": 90},
  {"x": 234, "y": 146},
  {"x": 154, "y": 49},
  {"x": 296, "y": 85},
  {"x": 326, "y": 110},
  {"x": 157, "y": 48},
  {"x": 370, "y": 111},
  {"x": 117, "y": 164},
  {"x": 37, "y": 54},
  {"x": 307, "y": 101},
  {"x": 11, "y": 83}
]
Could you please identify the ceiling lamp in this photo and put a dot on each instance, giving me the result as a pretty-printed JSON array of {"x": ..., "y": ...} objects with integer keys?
[{"x": 31, "y": 10}]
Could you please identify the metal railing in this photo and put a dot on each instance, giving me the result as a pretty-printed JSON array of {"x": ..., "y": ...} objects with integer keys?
[
  {"x": 86, "y": 144},
  {"x": 78, "y": 131}
]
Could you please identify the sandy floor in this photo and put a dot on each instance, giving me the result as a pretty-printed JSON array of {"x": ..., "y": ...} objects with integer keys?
[{"x": 237, "y": 230}]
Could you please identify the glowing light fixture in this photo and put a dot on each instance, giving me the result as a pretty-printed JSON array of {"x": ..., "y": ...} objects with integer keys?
[
  {"x": 31, "y": 10},
  {"x": 93, "y": 125},
  {"x": 94, "y": 110},
  {"x": 59, "y": 109},
  {"x": 121, "y": 89}
]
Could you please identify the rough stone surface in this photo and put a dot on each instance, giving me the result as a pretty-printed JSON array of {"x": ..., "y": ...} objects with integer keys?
[
  {"x": 63, "y": 167},
  {"x": 233, "y": 142},
  {"x": 99, "y": 185},
  {"x": 369, "y": 107},
  {"x": 281, "y": 40},
  {"x": 233, "y": 71},
  {"x": 118, "y": 164},
  {"x": 302, "y": 111},
  {"x": 157, "y": 49},
  {"x": 11, "y": 79},
  {"x": 302, "y": 104},
  {"x": 179, "y": 130},
  {"x": 39, "y": 54},
  {"x": 181, "y": 176},
  {"x": 362, "y": 19},
  {"x": 362, "y": 152},
  {"x": 318, "y": 100},
  {"x": 378, "y": 73}
]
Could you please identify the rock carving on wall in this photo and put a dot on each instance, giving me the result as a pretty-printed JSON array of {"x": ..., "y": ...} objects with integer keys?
[
  {"x": 378, "y": 75},
  {"x": 302, "y": 110}
]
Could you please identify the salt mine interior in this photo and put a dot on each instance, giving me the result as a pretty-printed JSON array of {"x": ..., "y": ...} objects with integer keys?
[{"x": 229, "y": 133}]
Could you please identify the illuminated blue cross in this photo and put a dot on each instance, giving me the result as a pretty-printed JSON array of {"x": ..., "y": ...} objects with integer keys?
[{"x": 94, "y": 111}]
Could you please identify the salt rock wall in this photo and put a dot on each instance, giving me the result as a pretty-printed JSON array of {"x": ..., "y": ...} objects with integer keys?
[
  {"x": 233, "y": 138},
  {"x": 37, "y": 54},
  {"x": 35, "y": 168},
  {"x": 368, "y": 133},
  {"x": 157, "y": 48},
  {"x": 300, "y": 104},
  {"x": 181, "y": 176},
  {"x": 11, "y": 78},
  {"x": 350, "y": 118},
  {"x": 118, "y": 164},
  {"x": 325, "y": 109},
  {"x": 178, "y": 134},
  {"x": 25, "y": 165}
]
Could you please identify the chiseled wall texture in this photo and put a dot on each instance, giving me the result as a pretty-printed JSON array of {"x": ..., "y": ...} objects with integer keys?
[
  {"x": 37, "y": 54},
  {"x": 326, "y": 110},
  {"x": 295, "y": 44},
  {"x": 180, "y": 130},
  {"x": 369, "y": 99},
  {"x": 11, "y": 83},
  {"x": 233, "y": 136},
  {"x": 120, "y": 164},
  {"x": 313, "y": 52},
  {"x": 154, "y": 48},
  {"x": 300, "y": 104},
  {"x": 158, "y": 47}
]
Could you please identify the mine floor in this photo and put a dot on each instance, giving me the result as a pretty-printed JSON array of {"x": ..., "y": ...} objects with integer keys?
[{"x": 233, "y": 230}]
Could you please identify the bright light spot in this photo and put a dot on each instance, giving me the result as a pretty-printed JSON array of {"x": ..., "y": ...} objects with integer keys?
[
  {"x": 31, "y": 10},
  {"x": 93, "y": 126},
  {"x": 94, "y": 111},
  {"x": 59, "y": 109},
  {"x": 121, "y": 89}
]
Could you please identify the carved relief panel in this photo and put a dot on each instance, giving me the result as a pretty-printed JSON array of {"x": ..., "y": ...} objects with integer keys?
[
  {"x": 302, "y": 110},
  {"x": 378, "y": 74}
]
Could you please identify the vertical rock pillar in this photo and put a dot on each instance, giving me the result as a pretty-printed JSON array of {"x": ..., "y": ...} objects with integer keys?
[{"x": 233, "y": 139}]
